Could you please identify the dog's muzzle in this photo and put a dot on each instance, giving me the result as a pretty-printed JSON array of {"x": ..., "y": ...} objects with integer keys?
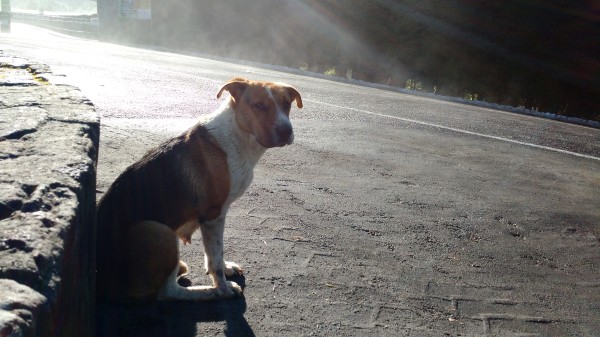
[{"x": 285, "y": 134}]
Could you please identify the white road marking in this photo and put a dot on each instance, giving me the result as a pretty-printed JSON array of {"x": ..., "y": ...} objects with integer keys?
[{"x": 508, "y": 140}]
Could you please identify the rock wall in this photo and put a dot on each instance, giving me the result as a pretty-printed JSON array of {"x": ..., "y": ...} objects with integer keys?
[{"x": 49, "y": 136}]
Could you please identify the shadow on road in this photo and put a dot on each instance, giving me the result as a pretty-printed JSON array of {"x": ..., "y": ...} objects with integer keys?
[{"x": 166, "y": 319}]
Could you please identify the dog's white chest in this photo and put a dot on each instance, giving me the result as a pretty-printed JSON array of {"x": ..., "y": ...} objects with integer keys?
[
  {"x": 241, "y": 148},
  {"x": 241, "y": 172}
]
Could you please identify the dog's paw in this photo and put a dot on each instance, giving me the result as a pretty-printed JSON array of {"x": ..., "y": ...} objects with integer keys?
[
  {"x": 232, "y": 269},
  {"x": 231, "y": 290},
  {"x": 183, "y": 269}
]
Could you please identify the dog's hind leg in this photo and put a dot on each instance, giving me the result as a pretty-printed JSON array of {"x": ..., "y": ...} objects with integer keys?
[
  {"x": 152, "y": 253},
  {"x": 183, "y": 269}
]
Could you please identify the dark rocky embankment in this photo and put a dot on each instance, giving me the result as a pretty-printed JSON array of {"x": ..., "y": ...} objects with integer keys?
[{"x": 49, "y": 136}]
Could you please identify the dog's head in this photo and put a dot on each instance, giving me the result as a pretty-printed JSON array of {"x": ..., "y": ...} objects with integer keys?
[{"x": 263, "y": 109}]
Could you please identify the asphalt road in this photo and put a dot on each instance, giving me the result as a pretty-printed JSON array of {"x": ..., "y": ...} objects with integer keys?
[{"x": 390, "y": 215}]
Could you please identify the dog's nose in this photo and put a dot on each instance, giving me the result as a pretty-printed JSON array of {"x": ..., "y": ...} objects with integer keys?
[{"x": 285, "y": 134}]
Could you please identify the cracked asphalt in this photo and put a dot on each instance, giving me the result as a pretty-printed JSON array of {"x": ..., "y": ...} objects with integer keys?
[{"x": 377, "y": 228}]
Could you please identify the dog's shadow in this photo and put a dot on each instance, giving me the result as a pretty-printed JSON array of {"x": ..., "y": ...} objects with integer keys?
[{"x": 166, "y": 319}]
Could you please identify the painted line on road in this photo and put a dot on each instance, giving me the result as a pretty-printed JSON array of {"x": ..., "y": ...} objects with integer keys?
[{"x": 472, "y": 133}]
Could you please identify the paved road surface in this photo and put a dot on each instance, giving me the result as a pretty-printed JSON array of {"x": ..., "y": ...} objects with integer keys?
[{"x": 390, "y": 215}]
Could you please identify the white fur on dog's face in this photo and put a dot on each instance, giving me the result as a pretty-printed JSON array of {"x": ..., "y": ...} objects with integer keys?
[
  {"x": 263, "y": 110},
  {"x": 281, "y": 132}
]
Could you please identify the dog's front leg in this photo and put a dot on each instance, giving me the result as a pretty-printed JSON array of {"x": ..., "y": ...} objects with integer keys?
[{"x": 216, "y": 267}]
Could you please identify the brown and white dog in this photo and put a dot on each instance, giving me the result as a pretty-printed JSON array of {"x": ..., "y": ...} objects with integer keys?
[{"x": 187, "y": 183}]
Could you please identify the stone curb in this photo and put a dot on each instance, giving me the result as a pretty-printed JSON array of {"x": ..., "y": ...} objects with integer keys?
[{"x": 49, "y": 137}]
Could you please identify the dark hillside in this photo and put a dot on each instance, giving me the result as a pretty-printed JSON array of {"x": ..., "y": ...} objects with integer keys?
[{"x": 541, "y": 55}]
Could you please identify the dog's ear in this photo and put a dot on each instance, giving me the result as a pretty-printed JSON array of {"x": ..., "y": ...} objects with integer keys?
[
  {"x": 295, "y": 95},
  {"x": 235, "y": 87}
]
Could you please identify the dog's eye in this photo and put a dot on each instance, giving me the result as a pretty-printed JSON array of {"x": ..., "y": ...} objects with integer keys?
[
  {"x": 260, "y": 107},
  {"x": 287, "y": 105}
]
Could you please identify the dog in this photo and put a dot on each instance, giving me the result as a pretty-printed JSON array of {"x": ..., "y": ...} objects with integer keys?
[{"x": 188, "y": 183}]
